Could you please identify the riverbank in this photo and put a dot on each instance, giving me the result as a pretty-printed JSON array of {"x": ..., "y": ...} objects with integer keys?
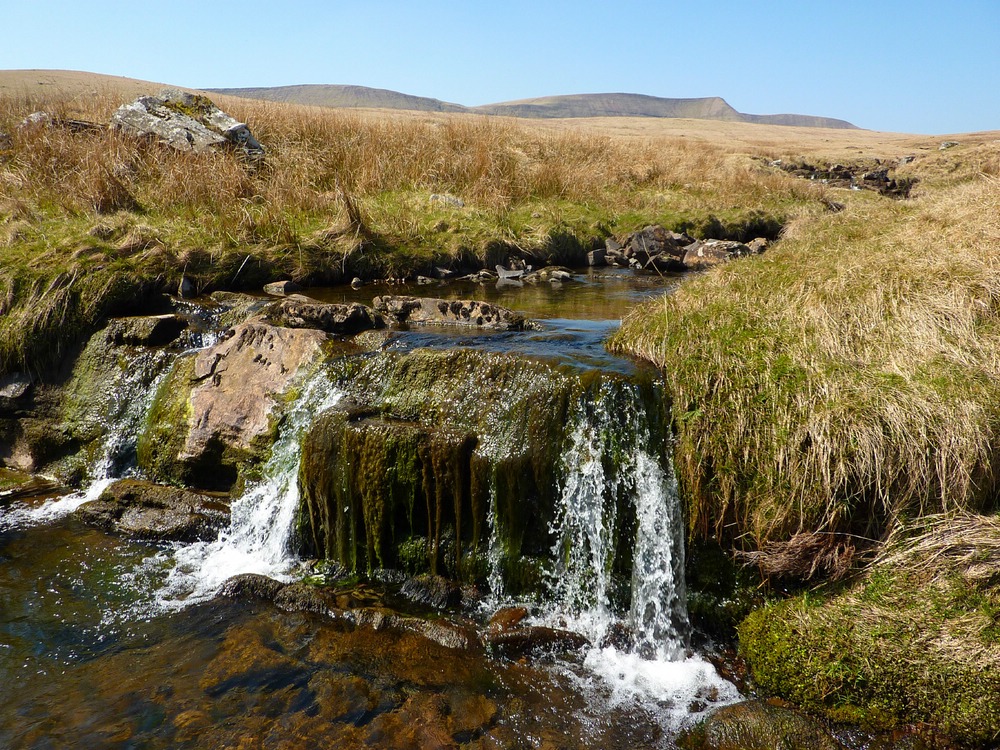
[
  {"x": 93, "y": 222},
  {"x": 834, "y": 394},
  {"x": 827, "y": 393}
]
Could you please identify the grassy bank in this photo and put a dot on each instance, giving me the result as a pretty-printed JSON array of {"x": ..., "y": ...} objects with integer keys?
[
  {"x": 90, "y": 222},
  {"x": 848, "y": 378},
  {"x": 916, "y": 640}
]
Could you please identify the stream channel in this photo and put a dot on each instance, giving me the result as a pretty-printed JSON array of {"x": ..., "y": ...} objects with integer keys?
[{"x": 112, "y": 642}]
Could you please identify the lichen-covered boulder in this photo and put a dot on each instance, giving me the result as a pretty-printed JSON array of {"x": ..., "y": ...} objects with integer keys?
[
  {"x": 186, "y": 122},
  {"x": 298, "y": 311},
  {"x": 429, "y": 311},
  {"x": 704, "y": 254}
]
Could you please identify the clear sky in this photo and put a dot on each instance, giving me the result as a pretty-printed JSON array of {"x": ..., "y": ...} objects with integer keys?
[{"x": 916, "y": 66}]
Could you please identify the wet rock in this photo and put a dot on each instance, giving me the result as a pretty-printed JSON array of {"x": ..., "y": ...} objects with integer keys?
[
  {"x": 756, "y": 725},
  {"x": 598, "y": 257},
  {"x": 146, "y": 330},
  {"x": 706, "y": 253},
  {"x": 533, "y": 640},
  {"x": 186, "y": 122},
  {"x": 428, "y": 311},
  {"x": 506, "y": 619},
  {"x": 144, "y": 510},
  {"x": 217, "y": 411},
  {"x": 301, "y": 597},
  {"x": 619, "y": 636},
  {"x": 298, "y": 311},
  {"x": 282, "y": 288},
  {"x": 432, "y": 591},
  {"x": 251, "y": 586},
  {"x": 357, "y": 283}
]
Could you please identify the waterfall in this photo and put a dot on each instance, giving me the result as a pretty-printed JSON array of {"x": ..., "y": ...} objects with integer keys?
[
  {"x": 261, "y": 522},
  {"x": 122, "y": 411},
  {"x": 613, "y": 484}
]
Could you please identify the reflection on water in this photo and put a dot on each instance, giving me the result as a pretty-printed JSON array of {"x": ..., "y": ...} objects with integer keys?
[{"x": 90, "y": 658}]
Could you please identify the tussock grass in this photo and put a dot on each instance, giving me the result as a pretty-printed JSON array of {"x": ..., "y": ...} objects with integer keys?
[
  {"x": 340, "y": 194},
  {"x": 848, "y": 378},
  {"x": 916, "y": 640}
]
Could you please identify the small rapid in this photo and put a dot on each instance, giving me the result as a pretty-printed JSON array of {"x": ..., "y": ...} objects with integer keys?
[
  {"x": 638, "y": 628},
  {"x": 262, "y": 520}
]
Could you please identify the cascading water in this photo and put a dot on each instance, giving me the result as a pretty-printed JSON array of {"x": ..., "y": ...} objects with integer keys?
[
  {"x": 259, "y": 536},
  {"x": 123, "y": 410},
  {"x": 609, "y": 475}
]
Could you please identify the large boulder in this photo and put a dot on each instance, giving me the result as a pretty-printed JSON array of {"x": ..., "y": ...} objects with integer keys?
[
  {"x": 144, "y": 510},
  {"x": 429, "y": 311},
  {"x": 186, "y": 122},
  {"x": 218, "y": 410}
]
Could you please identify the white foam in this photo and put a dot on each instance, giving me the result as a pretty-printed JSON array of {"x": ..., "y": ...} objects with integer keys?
[
  {"x": 258, "y": 539},
  {"x": 677, "y": 691}
]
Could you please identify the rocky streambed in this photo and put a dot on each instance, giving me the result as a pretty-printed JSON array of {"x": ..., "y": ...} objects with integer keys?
[{"x": 427, "y": 521}]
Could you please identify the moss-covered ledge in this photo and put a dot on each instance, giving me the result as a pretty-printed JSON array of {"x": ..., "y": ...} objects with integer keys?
[{"x": 916, "y": 639}]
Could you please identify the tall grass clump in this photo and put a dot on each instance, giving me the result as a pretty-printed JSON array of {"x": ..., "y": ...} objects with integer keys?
[{"x": 847, "y": 379}]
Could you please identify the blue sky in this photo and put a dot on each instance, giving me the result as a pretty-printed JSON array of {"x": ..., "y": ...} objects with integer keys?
[{"x": 915, "y": 66}]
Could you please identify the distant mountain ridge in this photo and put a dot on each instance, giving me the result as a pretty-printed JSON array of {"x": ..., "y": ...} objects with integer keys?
[{"x": 568, "y": 106}]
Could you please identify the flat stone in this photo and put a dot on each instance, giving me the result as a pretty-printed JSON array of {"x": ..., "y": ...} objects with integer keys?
[
  {"x": 145, "y": 510},
  {"x": 282, "y": 288},
  {"x": 430, "y": 311},
  {"x": 298, "y": 311}
]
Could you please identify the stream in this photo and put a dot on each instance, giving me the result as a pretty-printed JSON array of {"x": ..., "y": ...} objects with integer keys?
[{"x": 108, "y": 642}]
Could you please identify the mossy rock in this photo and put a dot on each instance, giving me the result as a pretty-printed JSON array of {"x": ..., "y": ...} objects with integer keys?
[
  {"x": 914, "y": 641},
  {"x": 162, "y": 439},
  {"x": 756, "y": 725}
]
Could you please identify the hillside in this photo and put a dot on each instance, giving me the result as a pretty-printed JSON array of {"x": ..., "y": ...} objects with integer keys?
[{"x": 563, "y": 107}]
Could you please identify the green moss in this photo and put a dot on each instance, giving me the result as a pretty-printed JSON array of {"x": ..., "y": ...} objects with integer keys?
[
  {"x": 914, "y": 641},
  {"x": 162, "y": 439}
]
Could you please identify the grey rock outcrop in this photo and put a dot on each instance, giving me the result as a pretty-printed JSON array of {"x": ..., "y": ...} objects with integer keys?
[
  {"x": 186, "y": 122},
  {"x": 429, "y": 311},
  {"x": 146, "y": 330},
  {"x": 144, "y": 510}
]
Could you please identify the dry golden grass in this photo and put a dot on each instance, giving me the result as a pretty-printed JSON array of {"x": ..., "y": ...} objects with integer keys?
[{"x": 848, "y": 378}]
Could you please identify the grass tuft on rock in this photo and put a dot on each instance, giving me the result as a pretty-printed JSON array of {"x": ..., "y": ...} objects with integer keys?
[{"x": 915, "y": 640}]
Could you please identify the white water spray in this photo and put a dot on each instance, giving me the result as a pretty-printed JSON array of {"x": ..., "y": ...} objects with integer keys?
[
  {"x": 260, "y": 531},
  {"x": 609, "y": 470}
]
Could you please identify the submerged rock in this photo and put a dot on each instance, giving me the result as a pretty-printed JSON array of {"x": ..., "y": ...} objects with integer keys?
[
  {"x": 532, "y": 640},
  {"x": 144, "y": 510},
  {"x": 429, "y": 311},
  {"x": 756, "y": 725}
]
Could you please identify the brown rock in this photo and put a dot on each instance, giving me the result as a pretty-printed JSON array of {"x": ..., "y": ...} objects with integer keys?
[
  {"x": 533, "y": 639},
  {"x": 239, "y": 381},
  {"x": 506, "y": 619},
  {"x": 282, "y": 288},
  {"x": 149, "y": 511},
  {"x": 756, "y": 725}
]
